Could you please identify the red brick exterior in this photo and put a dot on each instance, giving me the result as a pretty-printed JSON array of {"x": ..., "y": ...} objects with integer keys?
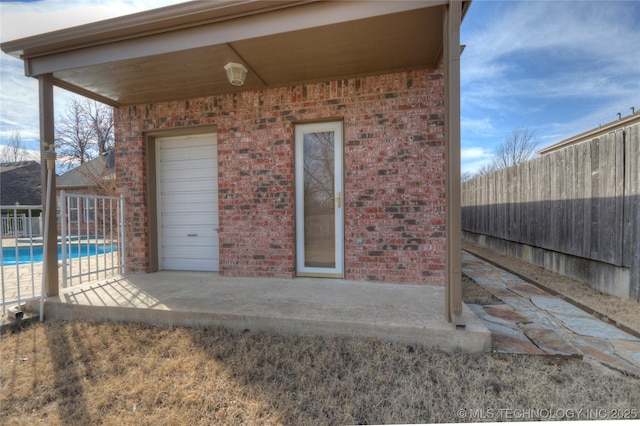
[{"x": 394, "y": 170}]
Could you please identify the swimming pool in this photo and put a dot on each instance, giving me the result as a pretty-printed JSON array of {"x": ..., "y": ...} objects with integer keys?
[{"x": 24, "y": 253}]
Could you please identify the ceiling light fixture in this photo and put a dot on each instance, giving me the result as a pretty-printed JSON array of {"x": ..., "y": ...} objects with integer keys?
[{"x": 236, "y": 73}]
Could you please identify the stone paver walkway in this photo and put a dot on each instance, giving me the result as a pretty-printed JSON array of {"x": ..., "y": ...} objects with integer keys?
[{"x": 533, "y": 321}]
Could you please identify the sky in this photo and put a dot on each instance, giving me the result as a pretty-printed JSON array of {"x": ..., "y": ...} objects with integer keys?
[{"x": 558, "y": 68}]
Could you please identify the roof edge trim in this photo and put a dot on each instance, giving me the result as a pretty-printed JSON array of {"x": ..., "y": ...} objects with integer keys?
[
  {"x": 153, "y": 21},
  {"x": 598, "y": 130}
]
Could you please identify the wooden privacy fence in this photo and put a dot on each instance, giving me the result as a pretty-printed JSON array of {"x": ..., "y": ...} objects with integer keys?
[{"x": 582, "y": 200}]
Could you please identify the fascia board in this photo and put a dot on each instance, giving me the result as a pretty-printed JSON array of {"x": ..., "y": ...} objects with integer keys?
[
  {"x": 159, "y": 20},
  {"x": 247, "y": 27}
]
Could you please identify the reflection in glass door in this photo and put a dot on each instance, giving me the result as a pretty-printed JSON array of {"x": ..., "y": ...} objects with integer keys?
[{"x": 319, "y": 200}]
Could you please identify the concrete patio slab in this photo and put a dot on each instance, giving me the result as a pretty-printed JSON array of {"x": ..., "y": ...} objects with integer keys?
[{"x": 409, "y": 314}]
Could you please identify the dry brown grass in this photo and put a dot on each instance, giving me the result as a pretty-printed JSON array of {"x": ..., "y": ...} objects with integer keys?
[
  {"x": 472, "y": 292},
  {"x": 623, "y": 311},
  {"x": 103, "y": 373}
]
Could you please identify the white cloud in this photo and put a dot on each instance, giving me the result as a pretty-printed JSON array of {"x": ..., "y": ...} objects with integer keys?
[
  {"x": 559, "y": 29},
  {"x": 597, "y": 41},
  {"x": 475, "y": 153},
  {"x": 28, "y": 154},
  {"x": 19, "y": 94},
  {"x": 474, "y": 167},
  {"x": 482, "y": 126},
  {"x": 473, "y": 158},
  {"x": 25, "y": 19},
  {"x": 559, "y": 68},
  {"x": 19, "y": 102},
  {"x": 558, "y": 131}
]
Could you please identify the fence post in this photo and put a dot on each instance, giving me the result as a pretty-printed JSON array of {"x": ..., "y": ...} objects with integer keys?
[
  {"x": 63, "y": 236},
  {"x": 15, "y": 224},
  {"x": 121, "y": 231}
]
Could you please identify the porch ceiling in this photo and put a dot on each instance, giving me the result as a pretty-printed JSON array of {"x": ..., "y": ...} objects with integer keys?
[{"x": 179, "y": 52}]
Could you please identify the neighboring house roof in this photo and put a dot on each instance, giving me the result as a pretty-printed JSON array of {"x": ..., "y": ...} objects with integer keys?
[
  {"x": 88, "y": 174},
  {"x": 179, "y": 51},
  {"x": 20, "y": 183},
  {"x": 595, "y": 133}
]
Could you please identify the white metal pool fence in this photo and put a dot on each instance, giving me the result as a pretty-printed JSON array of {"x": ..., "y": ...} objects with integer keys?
[
  {"x": 92, "y": 224},
  {"x": 20, "y": 282},
  {"x": 21, "y": 224},
  {"x": 91, "y": 244}
]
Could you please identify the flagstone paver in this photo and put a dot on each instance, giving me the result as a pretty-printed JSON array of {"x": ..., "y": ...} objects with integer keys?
[
  {"x": 555, "y": 305},
  {"x": 534, "y": 321},
  {"x": 593, "y": 327},
  {"x": 504, "y": 293},
  {"x": 628, "y": 349},
  {"x": 509, "y": 278},
  {"x": 498, "y": 328},
  {"x": 526, "y": 290},
  {"x": 609, "y": 359},
  {"x": 514, "y": 345},
  {"x": 505, "y": 312},
  {"x": 549, "y": 341}
]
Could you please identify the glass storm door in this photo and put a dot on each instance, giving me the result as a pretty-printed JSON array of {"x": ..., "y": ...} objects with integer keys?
[{"x": 319, "y": 200}]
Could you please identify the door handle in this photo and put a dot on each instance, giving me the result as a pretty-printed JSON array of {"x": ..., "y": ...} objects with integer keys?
[
  {"x": 192, "y": 235},
  {"x": 338, "y": 198}
]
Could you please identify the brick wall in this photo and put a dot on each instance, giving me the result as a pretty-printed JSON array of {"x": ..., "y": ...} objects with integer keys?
[{"x": 394, "y": 173}]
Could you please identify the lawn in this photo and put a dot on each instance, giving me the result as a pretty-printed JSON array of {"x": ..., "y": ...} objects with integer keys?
[{"x": 114, "y": 374}]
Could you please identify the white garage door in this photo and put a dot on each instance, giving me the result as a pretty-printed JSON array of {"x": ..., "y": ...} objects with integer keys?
[{"x": 187, "y": 186}]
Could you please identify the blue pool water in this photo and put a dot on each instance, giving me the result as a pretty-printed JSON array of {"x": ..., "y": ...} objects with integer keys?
[{"x": 24, "y": 253}]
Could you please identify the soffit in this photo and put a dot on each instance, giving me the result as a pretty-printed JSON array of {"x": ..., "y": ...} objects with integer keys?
[{"x": 311, "y": 44}]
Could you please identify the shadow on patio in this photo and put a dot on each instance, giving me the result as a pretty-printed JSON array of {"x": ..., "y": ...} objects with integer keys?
[{"x": 407, "y": 314}]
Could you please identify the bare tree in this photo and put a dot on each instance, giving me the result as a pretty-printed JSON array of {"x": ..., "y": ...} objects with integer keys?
[
  {"x": 486, "y": 169},
  {"x": 318, "y": 171},
  {"x": 73, "y": 135},
  {"x": 14, "y": 152},
  {"x": 100, "y": 118},
  {"x": 465, "y": 176},
  {"x": 84, "y": 131},
  {"x": 100, "y": 173},
  {"x": 516, "y": 148}
]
